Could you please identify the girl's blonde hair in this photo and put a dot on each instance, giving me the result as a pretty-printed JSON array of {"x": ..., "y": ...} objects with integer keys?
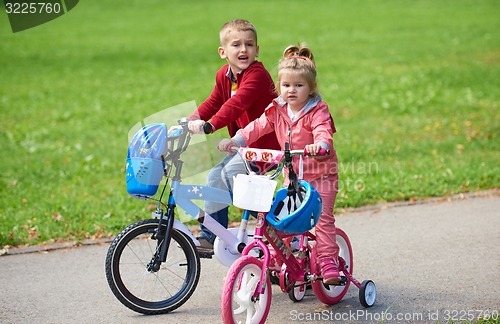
[{"x": 300, "y": 59}]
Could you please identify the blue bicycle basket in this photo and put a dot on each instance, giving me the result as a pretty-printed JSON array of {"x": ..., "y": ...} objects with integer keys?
[
  {"x": 144, "y": 161},
  {"x": 295, "y": 212}
]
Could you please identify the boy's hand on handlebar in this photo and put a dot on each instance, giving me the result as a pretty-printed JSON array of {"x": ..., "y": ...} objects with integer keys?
[
  {"x": 196, "y": 126},
  {"x": 226, "y": 145}
]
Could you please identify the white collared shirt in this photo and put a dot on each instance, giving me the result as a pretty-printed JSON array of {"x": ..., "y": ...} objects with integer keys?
[{"x": 293, "y": 116}]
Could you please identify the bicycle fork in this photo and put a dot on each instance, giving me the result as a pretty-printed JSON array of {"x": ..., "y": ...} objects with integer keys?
[{"x": 163, "y": 236}]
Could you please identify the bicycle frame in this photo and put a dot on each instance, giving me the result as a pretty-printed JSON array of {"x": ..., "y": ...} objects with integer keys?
[
  {"x": 295, "y": 266},
  {"x": 182, "y": 195},
  {"x": 247, "y": 292}
]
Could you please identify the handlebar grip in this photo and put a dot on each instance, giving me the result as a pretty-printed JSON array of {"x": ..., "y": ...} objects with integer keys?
[
  {"x": 207, "y": 128},
  {"x": 321, "y": 152},
  {"x": 232, "y": 148}
]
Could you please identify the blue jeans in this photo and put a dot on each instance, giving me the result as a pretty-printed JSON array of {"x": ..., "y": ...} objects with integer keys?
[{"x": 221, "y": 176}]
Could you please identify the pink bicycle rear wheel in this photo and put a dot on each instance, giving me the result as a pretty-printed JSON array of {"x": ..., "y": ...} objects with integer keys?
[{"x": 332, "y": 294}]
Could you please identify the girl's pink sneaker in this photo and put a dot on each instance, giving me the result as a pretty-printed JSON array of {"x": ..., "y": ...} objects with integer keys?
[{"x": 330, "y": 271}]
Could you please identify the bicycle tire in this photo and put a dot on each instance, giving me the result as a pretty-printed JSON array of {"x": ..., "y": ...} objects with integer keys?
[
  {"x": 145, "y": 291},
  {"x": 332, "y": 294},
  {"x": 240, "y": 283}
]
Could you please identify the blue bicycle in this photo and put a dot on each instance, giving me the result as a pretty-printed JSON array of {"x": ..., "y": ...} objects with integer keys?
[{"x": 153, "y": 265}]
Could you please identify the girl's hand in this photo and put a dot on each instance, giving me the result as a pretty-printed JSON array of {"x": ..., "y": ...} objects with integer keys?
[
  {"x": 226, "y": 145},
  {"x": 196, "y": 126},
  {"x": 312, "y": 149}
]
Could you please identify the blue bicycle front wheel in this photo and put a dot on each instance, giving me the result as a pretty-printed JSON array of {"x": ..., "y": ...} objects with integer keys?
[{"x": 144, "y": 288}]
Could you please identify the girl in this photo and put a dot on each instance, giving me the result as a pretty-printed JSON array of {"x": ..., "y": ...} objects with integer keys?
[{"x": 298, "y": 116}]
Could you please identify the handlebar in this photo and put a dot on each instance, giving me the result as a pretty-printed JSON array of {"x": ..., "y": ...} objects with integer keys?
[
  {"x": 177, "y": 139},
  {"x": 265, "y": 155},
  {"x": 273, "y": 157},
  {"x": 181, "y": 135},
  {"x": 235, "y": 149}
]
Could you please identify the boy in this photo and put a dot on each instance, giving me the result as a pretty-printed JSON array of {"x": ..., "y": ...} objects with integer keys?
[{"x": 243, "y": 89}]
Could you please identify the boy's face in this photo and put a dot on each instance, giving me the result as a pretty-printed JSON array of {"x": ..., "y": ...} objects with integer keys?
[{"x": 240, "y": 49}]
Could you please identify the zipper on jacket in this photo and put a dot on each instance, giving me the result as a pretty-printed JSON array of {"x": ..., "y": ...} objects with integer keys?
[
  {"x": 289, "y": 135},
  {"x": 289, "y": 131}
]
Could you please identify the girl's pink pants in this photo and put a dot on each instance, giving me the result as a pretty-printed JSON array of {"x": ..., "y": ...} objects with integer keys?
[{"x": 325, "y": 230}]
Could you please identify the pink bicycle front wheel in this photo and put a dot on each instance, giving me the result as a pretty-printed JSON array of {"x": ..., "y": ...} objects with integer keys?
[
  {"x": 332, "y": 294},
  {"x": 241, "y": 281}
]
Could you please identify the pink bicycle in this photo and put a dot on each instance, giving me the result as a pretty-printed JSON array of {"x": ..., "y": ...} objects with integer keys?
[{"x": 283, "y": 249}]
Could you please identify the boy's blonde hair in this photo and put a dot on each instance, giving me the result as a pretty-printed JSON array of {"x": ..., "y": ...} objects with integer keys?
[
  {"x": 239, "y": 25},
  {"x": 299, "y": 59}
]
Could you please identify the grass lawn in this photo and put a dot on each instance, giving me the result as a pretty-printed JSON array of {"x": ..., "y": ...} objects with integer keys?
[{"x": 413, "y": 87}]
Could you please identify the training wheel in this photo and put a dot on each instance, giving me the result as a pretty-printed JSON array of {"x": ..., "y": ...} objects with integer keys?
[
  {"x": 367, "y": 293},
  {"x": 297, "y": 292}
]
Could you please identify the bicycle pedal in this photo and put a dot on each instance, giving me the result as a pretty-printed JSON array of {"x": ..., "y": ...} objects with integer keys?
[
  {"x": 205, "y": 254},
  {"x": 342, "y": 282}
]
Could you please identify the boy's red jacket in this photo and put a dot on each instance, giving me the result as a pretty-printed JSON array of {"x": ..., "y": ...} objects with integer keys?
[{"x": 255, "y": 92}]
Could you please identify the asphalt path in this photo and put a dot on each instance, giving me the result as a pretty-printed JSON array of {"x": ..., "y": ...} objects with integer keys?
[{"x": 437, "y": 260}]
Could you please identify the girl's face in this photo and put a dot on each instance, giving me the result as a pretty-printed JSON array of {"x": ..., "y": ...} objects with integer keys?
[
  {"x": 240, "y": 49},
  {"x": 294, "y": 89}
]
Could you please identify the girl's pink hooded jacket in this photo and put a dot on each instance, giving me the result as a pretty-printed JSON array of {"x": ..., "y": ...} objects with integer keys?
[{"x": 314, "y": 125}]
